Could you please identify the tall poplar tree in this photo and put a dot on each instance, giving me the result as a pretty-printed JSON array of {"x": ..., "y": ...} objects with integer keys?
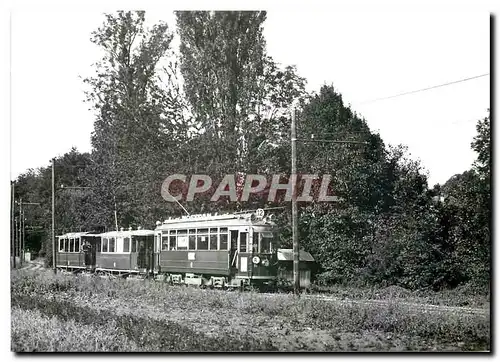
[
  {"x": 238, "y": 95},
  {"x": 139, "y": 118}
]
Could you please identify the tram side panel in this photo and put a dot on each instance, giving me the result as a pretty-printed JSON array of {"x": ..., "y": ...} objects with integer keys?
[
  {"x": 114, "y": 261},
  {"x": 194, "y": 249},
  {"x": 126, "y": 253},
  {"x": 208, "y": 262},
  {"x": 69, "y": 254}
]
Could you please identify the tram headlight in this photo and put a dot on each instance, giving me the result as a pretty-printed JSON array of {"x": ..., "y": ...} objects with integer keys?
[{"x": 256, "y": 260}]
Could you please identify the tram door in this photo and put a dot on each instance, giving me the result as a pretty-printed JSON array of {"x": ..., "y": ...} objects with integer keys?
[
  {"x": 145, "y": 252},
  {"x": 89, "y": 247},
  {"x": 243, "y": 252},
  {"x": 233, "y": 250}
]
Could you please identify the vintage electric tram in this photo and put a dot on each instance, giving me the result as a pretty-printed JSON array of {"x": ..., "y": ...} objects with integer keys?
[
  {"x": 122, "y": 252},
  {"x": 221, "y": 251},
  {"x": 230, "y": 250},
  {"x": 76, "y": 251},
  {"x": 126, "y": 252}
]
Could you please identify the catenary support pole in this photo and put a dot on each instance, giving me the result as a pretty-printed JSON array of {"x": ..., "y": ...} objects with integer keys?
[
  {"x": 53, "y": 219},
  {"x": 295, "y": 237},
  {"x": 21, "y": 248},
  {"x": 19, "y": 240},
  {"x": 13, "y": 220}
]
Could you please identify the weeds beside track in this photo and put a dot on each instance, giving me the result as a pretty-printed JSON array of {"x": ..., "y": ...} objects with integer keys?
[{"x": 207, "y": 320}]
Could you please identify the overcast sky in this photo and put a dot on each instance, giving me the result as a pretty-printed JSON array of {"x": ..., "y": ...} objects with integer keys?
[{"x": 365, "y": 55}]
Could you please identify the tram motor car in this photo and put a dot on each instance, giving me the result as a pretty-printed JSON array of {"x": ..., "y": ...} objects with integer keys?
[{"x": 228, "y": 250}]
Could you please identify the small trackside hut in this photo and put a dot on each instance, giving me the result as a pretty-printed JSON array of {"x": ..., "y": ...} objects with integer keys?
[
  {"x": 285, "y": 267},
  {"x": 229, "y": 250}
]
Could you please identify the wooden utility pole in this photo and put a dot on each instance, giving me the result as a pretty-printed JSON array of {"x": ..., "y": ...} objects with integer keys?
[
  {"x": 116, "y": 214},
  {"x": 53, "y": 219},
  {"x": 295, "y": 236},
  {"x": 22, "y": 226},
  {"x": 12, "y": 216},
  {"x": 23, "y": 233},
  {"x": 19, "y": 241},
  {"x": 295, "y": 233}
]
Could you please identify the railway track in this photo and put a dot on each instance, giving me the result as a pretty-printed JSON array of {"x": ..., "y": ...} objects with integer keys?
[
  {"x": 33, "y": 265},
  {"x": 417, "y": 307}
]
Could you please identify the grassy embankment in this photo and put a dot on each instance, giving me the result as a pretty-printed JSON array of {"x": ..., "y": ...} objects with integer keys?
[{"x": 68, "y": 313}]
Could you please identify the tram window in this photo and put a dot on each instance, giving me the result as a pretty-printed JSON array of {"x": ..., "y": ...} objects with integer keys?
[
  {"x": 134, "y": 245},
  {"x": 182, "y": 240},
  {"x": 104, "y": 245},
  {"x": 112, "y": 245},
  {"x": 173, "y": 242},
  {"x": 61, "y": 245},
  {"x": 126, "y": 245},
  {"x": 223, "y": 241},
  {"x": 265, "y": 242},
  {"x": 234, "y": 239},
  {"x": 164, "y": 243},
  {"x": 71, "y": 245},
  {"x": 66, "y": 245},
  {"x": 202, "y": 242},
  {"x": 192, "y": 242},
  {"x": 243, "y": 242},
  {"x": 213, "y": 241},
  {"x": 77, "y": 245}
]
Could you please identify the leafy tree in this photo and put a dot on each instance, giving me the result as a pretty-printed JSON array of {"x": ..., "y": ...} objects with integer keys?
[
  {"x": 465, "y": 218},
  {"x": 139, "y": 118},
  {"x": 333, "y": 232},
  {"x": 467, "y": 207},
  {"x": 237, "y": 94},
  {"x": 382, "y": 231},
  {"x": 222, "y": 56},
  {"x": 71, "y": 205},
  {"x": 482, "y": 146}
]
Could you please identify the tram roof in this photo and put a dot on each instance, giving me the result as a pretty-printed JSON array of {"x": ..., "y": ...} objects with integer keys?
[
  {"x": 260, "y": 225},
  {"x": 208, "y": 217},
  {"x": 76, "y": 235},
  {"x": 125, "y": 233}
]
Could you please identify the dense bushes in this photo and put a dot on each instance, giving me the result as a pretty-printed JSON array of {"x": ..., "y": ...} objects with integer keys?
[{"x": 392, "y": 229}]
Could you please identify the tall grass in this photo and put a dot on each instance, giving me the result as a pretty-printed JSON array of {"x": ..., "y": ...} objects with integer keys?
[
  {"x": 112, "y": 332},
  {"x": 151, "y": 311},
  {"x": 34, "y": 331}
]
